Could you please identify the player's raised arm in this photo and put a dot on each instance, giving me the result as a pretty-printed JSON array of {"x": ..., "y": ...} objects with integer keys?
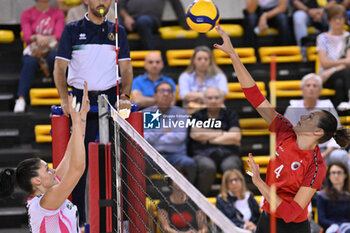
[{"x": 249, "y": 87}]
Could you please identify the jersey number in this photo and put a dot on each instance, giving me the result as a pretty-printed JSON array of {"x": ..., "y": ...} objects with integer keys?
[{"x": 278, "y": 171}]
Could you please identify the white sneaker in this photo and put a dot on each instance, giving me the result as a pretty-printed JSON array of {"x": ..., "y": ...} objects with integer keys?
[
  {"x": 344, "y": 106},
  {"x": 20, "y": 105}
]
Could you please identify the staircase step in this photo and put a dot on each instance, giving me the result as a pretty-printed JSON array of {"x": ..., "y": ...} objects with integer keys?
[
  {"x": 13, "y": 217},
  {"x": 12, "y": 156}
]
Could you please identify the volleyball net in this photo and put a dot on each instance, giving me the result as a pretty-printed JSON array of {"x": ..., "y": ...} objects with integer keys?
[{"x": 139, "y": 191}]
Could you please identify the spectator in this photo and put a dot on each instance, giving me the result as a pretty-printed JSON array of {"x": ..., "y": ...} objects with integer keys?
[
  {"x": 79, "y": 11},
  {"x": 170, "y": 141},
  {"x": 333, "y": 202},
  {"x": 262, "y": 14},
  {"x": 143, "y": 86},
  {"x": 311, "y": 86},
  {"x": 145, "y": 17},
  {"x": 200, "y": 74},
  {"x": 236, "y": 202},
  {"x": 308, "y": 13},
  {"x": 91, "y": 57},
  {"x": 42, "y": 27},
  {"x": 190, "y": 220},
  {"x": 216, "y": 146},
  {"x": 332, "y": 48}
]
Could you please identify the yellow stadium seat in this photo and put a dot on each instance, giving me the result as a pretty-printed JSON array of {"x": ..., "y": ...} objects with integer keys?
[
  {"x": 246, "y": 55},
  {"x": 180, "y": 57},
  {"x": 176, "y": 32},
  {"x": 233, "y": 30},
  {"x": 291, "y": 89},
  {"x": 138, "y": 57},
  {"x": 72, "y": 2},
  {"x": 311, "y": 53},
  {"x": 269, "y": 32},
  {"x": 42, "y": 133},
  {"x": 261, "y": 160},
  {"x": 133, "y": 36},
  {"x": 235, "y": 90},
  {"x": 44, "y": 96},
  {"x": 345, "y": 121},
  {"x": 6, "y": 36},
  {"x": 283, "y": 54},
  {"x": 254, "y": 127}
]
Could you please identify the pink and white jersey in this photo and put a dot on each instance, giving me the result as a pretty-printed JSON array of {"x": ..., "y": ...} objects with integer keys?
[{"x": 62, "y": 220}]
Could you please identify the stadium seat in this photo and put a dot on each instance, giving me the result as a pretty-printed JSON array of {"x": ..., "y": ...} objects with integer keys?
[
  {"x": 44, "y": 96},
  {"x": 233, "y": 30},
  {"x": 72, "y": 2},
  {"x": 138, "y": 57},
  {"x": 269, "y": 32},
  {"x": 246, "y": 55},
  {"x": 254, "y": 127},
  {"x": 176, "y": 32},
  {"x": 180, "y": 57},
  {"x": 42, "y": 133},
  {"x": 261, "y": 160},
  {"x": 133, "y": 36},
  {"x": 345, "y": 121},
  {"x": 291, "y": 89},
  {"x": 235, "y": 90},
  {"x": 6, "y": 36},
  {"x": 283, "y": 54},
  {"x": 311, "y": 53}
]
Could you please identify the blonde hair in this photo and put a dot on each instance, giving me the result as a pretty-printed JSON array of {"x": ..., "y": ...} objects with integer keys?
[
  {"x": 213, "y": 68},
  {"x": 224, "y": 190}
]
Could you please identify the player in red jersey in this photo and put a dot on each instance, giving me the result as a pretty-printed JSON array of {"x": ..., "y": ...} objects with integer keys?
[{"x": 298, "y": 170}]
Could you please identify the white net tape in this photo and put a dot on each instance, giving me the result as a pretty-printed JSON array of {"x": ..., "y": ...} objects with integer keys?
[{"x": 207, "y": 215}]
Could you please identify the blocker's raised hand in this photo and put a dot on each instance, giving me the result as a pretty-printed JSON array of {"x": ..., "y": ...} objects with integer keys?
[{"x": 226, "y": 45}]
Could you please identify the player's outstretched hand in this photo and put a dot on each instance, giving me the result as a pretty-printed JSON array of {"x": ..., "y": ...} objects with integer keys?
[
  {"x": 85, "y": 106},
  {"x": 255, "y": 169},
  {"x": 226, "y": 45}
]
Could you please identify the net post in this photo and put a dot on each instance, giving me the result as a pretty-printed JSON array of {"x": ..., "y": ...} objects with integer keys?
[
  {"x": 136, "y": 121},
  {"x": 60, "y": 135},
  {"x": 103, "y": 119}
]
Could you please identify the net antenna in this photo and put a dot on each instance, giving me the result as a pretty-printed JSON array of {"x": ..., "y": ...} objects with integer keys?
[{"x": 217, "y": 217}]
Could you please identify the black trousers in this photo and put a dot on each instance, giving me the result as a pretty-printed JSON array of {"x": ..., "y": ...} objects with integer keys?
[
  {"x": 263, "y": 225},
  {"x": 340, "y": 81}
]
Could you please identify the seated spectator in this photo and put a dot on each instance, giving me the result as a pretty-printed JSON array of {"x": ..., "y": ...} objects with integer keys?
[
  {"x": 333, "y": 202},
  {"x": 189, "y": 221},
  {"x": 236, "y": 202},
  {"x": 332, "y": 48},
  {"x": 169, "y": 140},
  {"x": 42, "y": 27},
  {"x": 142, "y": 90},
  {"x": 311, "y": 86},
  {"x": 308, "y": 13},
  {"x": 79, "y": 11},
  {"x": 215, "y": 146},
  {"x": 200, "y": 74},
  {"x": 263, "y": 14},
  {"x": 145, "y": 17}
]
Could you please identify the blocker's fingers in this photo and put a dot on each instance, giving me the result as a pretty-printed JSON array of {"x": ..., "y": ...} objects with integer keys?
[
  {"x": 74, "y": 102},
  {"x": 77, "y": 108}
]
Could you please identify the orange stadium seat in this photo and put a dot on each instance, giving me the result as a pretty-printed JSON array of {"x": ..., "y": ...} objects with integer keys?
[
  {"x": 283, "y": 54},
  {"x": 138, "y": 57}
]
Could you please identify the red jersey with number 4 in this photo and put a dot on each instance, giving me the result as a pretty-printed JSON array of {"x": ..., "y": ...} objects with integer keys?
[{"x": 293, "y": 167}]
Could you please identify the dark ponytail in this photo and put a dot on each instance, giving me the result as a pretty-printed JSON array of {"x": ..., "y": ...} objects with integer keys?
[
  {"x": 329, "y": 123},
  {"x": 26, "y": 170},
  {"x": 7, "y": 182},
  {"x": 342, "y": 137}
]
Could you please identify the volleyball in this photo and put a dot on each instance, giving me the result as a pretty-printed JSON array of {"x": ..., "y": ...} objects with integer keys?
[{"x": 202, "y": 15}]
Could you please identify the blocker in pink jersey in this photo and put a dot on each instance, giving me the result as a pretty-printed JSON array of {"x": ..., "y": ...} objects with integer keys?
[{"x": 49, "y": 209}]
